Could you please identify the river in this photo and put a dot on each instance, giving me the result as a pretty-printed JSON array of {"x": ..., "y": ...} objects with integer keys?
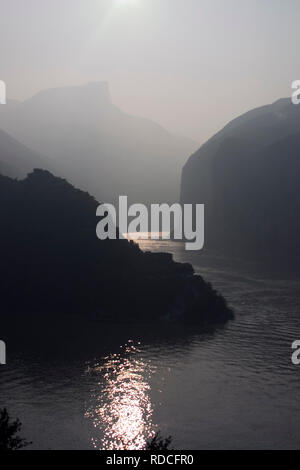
[{"x": 232, "y": 388}]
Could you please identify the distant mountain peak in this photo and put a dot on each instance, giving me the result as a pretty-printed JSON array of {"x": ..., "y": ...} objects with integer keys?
[
  {"x": 97, "y": 85},
  {"x": 91, "y": 92},
  {"x": 97, "y": 146}
]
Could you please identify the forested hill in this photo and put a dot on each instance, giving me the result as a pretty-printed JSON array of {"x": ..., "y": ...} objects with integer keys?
[{"x": 53, "y": 264}]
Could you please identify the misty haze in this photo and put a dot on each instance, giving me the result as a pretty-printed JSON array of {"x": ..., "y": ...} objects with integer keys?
[{"x": 118, "y": 343}]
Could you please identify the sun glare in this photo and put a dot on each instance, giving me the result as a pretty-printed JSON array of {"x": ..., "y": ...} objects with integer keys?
[{"x": 128, "y": 2}]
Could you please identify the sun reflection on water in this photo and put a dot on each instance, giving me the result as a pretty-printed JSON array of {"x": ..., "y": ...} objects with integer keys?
[{"x": 121, "y": 408}]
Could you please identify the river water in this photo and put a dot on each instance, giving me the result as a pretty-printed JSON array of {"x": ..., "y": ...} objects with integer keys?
[{"x": 232, "y": 388}]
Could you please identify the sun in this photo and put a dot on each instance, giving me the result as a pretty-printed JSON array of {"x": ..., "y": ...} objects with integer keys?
[{"x": 128, "y": 2}]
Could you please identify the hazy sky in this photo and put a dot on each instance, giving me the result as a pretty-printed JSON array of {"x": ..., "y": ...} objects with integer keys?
[{"x": 190, "y": 65}]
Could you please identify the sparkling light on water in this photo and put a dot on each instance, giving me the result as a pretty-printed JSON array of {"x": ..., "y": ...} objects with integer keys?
[{"x": 121, "y": 409}]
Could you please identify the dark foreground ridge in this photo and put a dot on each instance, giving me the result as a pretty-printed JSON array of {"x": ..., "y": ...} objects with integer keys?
[{"x": 52, "y": 261}]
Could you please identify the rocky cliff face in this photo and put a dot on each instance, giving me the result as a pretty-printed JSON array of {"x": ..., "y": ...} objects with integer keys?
[{"x": 247, "y": 176}]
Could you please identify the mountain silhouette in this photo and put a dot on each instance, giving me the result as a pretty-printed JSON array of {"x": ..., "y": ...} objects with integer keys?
[
  {"x": 52, "y": 264},
  {"x": 16, "y": 160},
  {"x": 247, "y": 175},
  {"x": 98, "y": 147}
]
